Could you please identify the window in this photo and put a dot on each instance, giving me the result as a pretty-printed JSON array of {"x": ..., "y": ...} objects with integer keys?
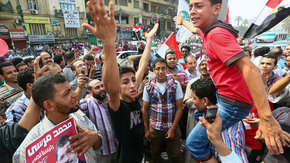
[
  {"x": 144, "y": 21},
  {"x": 153, "y": 9},
  {"x": 124, "y": 20},
  {"x": 136, "y": 21},
  {"x": 66, "y": 6},
  {"x": 136, "y": 4},
  {"x": 32, "y": 5},
  {"x": 168, "y": 25},
  {"x": 71, "y": 32},
  {"x": 37, "y": 29},
  {"x": 123, "y": 2},
  {"x": 146, "y": 7}
]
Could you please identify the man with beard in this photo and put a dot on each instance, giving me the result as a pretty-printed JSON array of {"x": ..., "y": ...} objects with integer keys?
[
  {"x": 45, "y": 58},
  {"x": 96, "y": 108},
  {"x": 173, "y": 71},
  {"x": 53, "y": 93}
]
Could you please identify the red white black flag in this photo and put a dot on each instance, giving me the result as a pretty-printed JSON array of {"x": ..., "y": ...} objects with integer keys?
[{"x": 272, "y": 14}]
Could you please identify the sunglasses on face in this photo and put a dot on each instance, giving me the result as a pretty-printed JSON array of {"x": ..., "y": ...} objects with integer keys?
[{"x": 82, "y": 65}]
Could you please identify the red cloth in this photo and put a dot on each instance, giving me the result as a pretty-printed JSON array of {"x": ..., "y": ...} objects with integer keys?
[
  {"x": 218, "y": 47},
  {"x": 250, "y": 134}
]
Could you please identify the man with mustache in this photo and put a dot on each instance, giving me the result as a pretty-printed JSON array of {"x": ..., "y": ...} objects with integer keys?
[{"x": 96, "y": 108}]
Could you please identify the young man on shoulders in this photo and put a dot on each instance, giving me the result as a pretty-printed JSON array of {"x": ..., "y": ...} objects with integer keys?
[
  {"x": 121, "y": 85},
  {"x": 237, "y": 80}
]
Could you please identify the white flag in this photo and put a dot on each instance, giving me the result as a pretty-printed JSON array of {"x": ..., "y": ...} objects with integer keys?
[{"x": 183, "y": 33}]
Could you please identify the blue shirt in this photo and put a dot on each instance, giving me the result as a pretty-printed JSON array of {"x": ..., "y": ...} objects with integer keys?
[{"x": 16, "y": 110}]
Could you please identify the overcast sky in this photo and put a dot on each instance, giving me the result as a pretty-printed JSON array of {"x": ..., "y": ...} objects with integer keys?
[{"x": 248, "y": 9}]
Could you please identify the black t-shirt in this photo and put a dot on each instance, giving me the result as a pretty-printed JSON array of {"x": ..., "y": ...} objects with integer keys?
[{"x": 129, "y": 129}]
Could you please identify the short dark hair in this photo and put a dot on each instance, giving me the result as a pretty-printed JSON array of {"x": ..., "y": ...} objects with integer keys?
[
  {"x": 136, "y": 62},
  {"x": 213, "y": 2},
  {"x": 272, "y": 56},
  {"x": 276, "y": 51},
  {"x": 88, "y": 57},
  {"x": 125, "y": 69},
  {"x": 28, "y": 60},
  {"x": 5, "y": 64},
  {"x": 25, "y": 76},
  {"x": 16, "y": 60},
  {"x": 61, "y": 142},
  {"x": 205, "y": 88},
  {"x": 69, "y": 56},
  {"x": 43, "y": 88},
  {"x": 20, "y": 64},
  {"x": 159, "y": 60},
  {"x": 58, "y": 59},
  {"x": 261, "y": 51},
  {"x": 169, "y": 51},
  {"x": 186, "y": 47}
]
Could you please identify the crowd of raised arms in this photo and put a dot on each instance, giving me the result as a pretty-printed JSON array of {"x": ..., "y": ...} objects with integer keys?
[{"x": 229, "y": 103}]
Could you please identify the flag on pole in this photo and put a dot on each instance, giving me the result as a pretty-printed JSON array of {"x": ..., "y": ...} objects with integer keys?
[
  {"x": 170, "y": 43},
  {"x": 136, "y": 28},
  {"x": 183, "y": 33},
  {"x": 273, "y": 13},
  {"x": 227, "y": 16}
]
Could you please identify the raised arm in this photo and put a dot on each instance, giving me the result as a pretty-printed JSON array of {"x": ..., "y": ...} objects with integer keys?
[
  {"x": 269, "y": 127},
  {"x": 180, "y": 21},
  {"x": 146, "y": 54},
  {"x": 106, "y": 30},
  {"x": 279, "y": 86}
]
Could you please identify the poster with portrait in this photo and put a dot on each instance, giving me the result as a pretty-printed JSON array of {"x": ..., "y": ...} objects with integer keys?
[{"x": 52, "y": 146}]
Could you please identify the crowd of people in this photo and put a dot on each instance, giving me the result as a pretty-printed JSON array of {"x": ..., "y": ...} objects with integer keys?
[{"x": 151, "y": 109}]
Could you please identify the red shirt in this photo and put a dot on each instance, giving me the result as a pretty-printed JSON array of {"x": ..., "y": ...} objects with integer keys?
[{"x": 221, "y": 49}]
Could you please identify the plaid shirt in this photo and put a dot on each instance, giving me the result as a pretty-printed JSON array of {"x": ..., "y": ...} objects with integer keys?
[
  {"x": 45, "y": 125},
  {"x": 183, "y": 76},
  {"x": 162, "y": 106},
  {"x": 16, "y": 110}
]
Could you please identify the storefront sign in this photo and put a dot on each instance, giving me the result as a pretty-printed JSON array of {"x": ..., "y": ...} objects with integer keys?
[
  {"x": 3, "y": 29},
  {"x": 71, "y": 19},
  {"x": 17, "y": 33},
  {"x": 40, "y": 20},
  {"x": 41, "y": 38},
  {"x": 54, "y": 21}
]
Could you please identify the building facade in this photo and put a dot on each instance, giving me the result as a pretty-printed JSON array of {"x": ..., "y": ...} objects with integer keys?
[
  {"x": 25, "y": 22},
  {"x": 41, "y": 21},
  {"x": 134, "y": 12}
]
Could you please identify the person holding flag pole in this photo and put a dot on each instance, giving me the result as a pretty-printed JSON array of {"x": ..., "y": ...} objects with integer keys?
[{"x": 237, "y": 80}]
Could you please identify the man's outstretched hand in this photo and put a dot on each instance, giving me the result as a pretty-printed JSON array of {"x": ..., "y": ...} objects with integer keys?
[
  {"x": 150, "y": 35},
  {"x": 272, "y": 133},
  {"x": 105, "y": 25}
]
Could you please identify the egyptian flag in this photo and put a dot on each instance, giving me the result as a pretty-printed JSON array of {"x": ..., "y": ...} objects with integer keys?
[
  {"x": 170, "y": 43},
  {"x": 136, "y": 28},
  {"x": 273, "y": 13}
]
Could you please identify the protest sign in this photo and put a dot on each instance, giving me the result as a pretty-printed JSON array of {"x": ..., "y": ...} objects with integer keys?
[{"x": 52, "y": 146}]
